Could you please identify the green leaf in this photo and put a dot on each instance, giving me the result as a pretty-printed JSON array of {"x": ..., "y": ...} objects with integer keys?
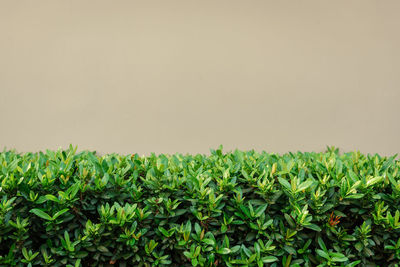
[
  {"x": 261, "y": 210},
  {"x": 25, "y": 253},
  {"x": 257, "y": 248},
  {"x": 197, "y": 228},
  {"x": 322, "y": 244},
  {"x": 358, "y": 246},
  {"x": 41, "y": 214},
  {"x": 354, "y": 263},
  {"x": 58, "y": 214},
  {"x": 103, "y": 249},
  {"x": 290, "y": 221},
  {"x": 392, "y": 180},
  {"x": 235, "y": 249},
  {"x": 41, "y": 200},
  {"x": 224, "y": 251},
  {"x": 52, "y": 198},
  {"x": 34, "y": 255},
  {"x": 268, "y": 259},
  {"x": 163, "y": 231},
  {"x": 209, "y": 241},
  {"x": 285, "y": 183},
  {"x": 245, "y": 210},
  {"x": 188, "y": 227},
  {"x": 81, "y": 254},
  {"x": 187, "y": 254},
  {"x": 339, "y": 213},
  {"x": 252, "y": 258},
  {"x": 374, "y": 180},
  {"x": 66, "y": 237},
  {"x": 323, "y": 254},
  {"x": 353, "y": 176},
  {"x": 313, "y": 227},
  {"x": 349, "y": 238},
  {"x": 304, "y": 185},
  {"x": 338, "y": 257},
  {"x": 290, "y": 250},
  {"x": 355, "y": 196}
]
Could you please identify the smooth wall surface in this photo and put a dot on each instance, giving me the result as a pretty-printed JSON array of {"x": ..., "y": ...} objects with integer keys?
[{"x": 185, "y": 76}]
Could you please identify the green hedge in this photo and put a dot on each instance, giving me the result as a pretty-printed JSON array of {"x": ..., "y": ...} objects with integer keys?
[{"x": 242, "y": 208}]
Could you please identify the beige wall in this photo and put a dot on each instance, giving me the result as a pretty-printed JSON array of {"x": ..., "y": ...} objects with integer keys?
[{"x": 185, "y": 76}]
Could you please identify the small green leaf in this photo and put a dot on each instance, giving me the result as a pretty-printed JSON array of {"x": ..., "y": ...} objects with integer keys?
[
  {"x": 163, "y": 231},
  {"x": 285, "y": 183},
  {"x": 349, "y": 238},
  {"x": 358, "y": 246},
  {"x": 290, "y": 250},
  {"x": 235, "y": 249},
  {"x": 304, "y": 185},
  {"x": 197, "y": 228},
  {"x": 354, "y": 263},
  {"x": 322, "y": 244},
  {"x": 374, "y": 180},
  {"x": 224, "y": 251},
  {"x": 290, "y": 221},
  {"x": 58, "y": 214},
  {"x": 355, "y": 196},
  {"x": 353, "y": 176},
  {"x": 209, "y": 241},
  {"x": 187, "y": 254},
  {"x": 41, "y": 214},
  {"x": 25, "y": 253},
  {"x": 338, "y": 257},
  {"x": 313, "y": 227},
  {"x": 323, "y": 254},
  {"x": 268, "y": 259},
  {"x": 103, "y": 249},
  {"x": 52, "y": 198},
  {"x": 260, "y": 210}
]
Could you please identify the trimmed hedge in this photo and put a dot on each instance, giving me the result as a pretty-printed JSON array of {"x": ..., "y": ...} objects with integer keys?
[{"x": 63, "y": 208}]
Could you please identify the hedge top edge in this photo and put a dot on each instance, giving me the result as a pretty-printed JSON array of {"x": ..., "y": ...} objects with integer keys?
[{"x": 240, "y": 208}]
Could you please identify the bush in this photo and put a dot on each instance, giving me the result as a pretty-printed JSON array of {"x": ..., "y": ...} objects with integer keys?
[{"x": 63, "y": 208}]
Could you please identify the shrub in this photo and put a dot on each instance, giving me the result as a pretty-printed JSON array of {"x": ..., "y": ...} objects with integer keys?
[{"x": 63, "y": 208}]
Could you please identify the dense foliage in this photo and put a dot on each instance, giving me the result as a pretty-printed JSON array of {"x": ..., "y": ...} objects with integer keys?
[{"x": 64, "y": 208}]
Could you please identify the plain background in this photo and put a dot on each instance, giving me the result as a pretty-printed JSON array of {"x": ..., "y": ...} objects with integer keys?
[{"x": 186, "y": 76}]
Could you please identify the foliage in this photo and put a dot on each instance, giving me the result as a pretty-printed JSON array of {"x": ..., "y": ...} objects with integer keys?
[{"x": 64, "y": 208}]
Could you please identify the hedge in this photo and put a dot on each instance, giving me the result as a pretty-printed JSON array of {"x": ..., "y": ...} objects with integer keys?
[{"x": 240, "y": 208}]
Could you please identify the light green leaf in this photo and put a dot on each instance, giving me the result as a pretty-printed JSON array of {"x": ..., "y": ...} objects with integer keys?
[
  {"x": 323, "y": 254},
  {"x": 209, "y": 241},
  {"x": 268, "y": 259},
  {"x": 52, "y": 198},
  {"x": 353, "y": 176},
  {"x": 355, "y": 196},
  {"x": 285, "y": 183},
  {"x": 340, "y": 259},
  {"x": 55, "y": 216},
  {"x": 304, "y": 185},
  {"x": 354, "y": 263},
  {"x": 224, "y": 251},
  {"x": 374, "y": 180}
]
